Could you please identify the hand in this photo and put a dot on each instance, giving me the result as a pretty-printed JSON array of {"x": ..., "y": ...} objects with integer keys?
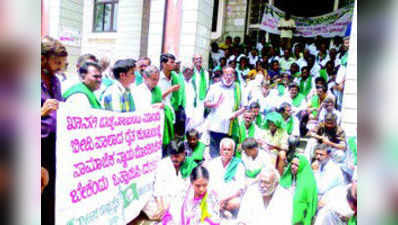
[
  {"x": 44, "y": 178},
  {"x": 315, "y": 165},
  {"x": 325, "y": 140},
  {"x": 175, "y": 88},
  {"x": 223, "y": 204},
  {"x": 49, "y": 106}
]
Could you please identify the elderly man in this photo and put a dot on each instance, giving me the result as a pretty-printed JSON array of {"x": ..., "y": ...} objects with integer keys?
[
  {"x": 327, "y": 173},
  {"x": 227, "y": 176},
  {"x": 225, "y": 103},
  {"x": 291, "y": 123},
  {"x": 118, "y": 96},
  {"x": 148, "y": 93},
  {"x": 174, "y": 170},
  {"x": 266, "y": 202},
  {"x": 82, "y": 94}
]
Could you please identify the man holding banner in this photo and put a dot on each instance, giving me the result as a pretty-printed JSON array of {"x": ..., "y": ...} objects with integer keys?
[{"x": 287, "y": 26}]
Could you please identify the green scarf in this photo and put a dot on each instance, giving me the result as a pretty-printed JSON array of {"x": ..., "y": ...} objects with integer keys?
[
  {"x": 343, "y": 60},
  {"x": 177, "y": 97},
  {"x": 306, "y": 86},
  {"x": 83, "y": 89},
  {"x": 168, "y": 130},
  {"x": 187, "y": 166},
  {"x": 242, "y": 131},
  {"x": 281, "y": 89},
  {"x": 138, "y": 78},
  {"x": 197, "y": 153},
  {"x": 231, "y": 169},
  {"x": 352, "y": 145},
  {"x": 234, "y": 124},
  {"x": 298, "y": 100},
  {"x": 296, "y": 75},
  {"x": 315, "y": 104},
  {"x": 305, "y": 200},
  {"x": 196, "y": 92},
  {"x": 324, "y": 74},
  {"x": 202, "y": 84},
  {"x": 252, "y": 173},
  {"x": 274, "y": 117},
  {"x": 288, "y": 125},
  {"x": 259, "y": 120},
  {"x": 352, "y": 220}
]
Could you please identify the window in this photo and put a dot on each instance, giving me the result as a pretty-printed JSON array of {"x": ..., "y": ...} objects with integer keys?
[
  {"x": 217, "y": 20},
  {"x": 105, "y": 15}
]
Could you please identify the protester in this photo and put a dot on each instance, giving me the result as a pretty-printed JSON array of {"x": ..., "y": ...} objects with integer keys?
[
  {"x": 254, "y": 159},
  {"x": 53, "y": 53},
  {"x": 118, "y": 96},
  {"x": 266, "y": 201},
  {"x": 195, "y": 148},
  {"x": 82, "y": 94},
  {"x": 225, "y": 101},
  {"x": 227, "y": 178},
  {"x": 299, "y": 179},
  {"x": 142, "y": 64},
  {"x": 287, "y": 26}
]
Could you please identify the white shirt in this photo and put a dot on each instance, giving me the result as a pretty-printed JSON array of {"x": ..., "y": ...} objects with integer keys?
[
  {"x": 216, "y": 179},
  {"x": 219, "y": 118},
  {"x": 216, "y": 56},
  {"x": 279, "y": 210},
  {"x": 296, "y": 126},
  {"x": 253, "y": 59},
  {"x": 142, "y": 96},
  {"x": 262, "y": 160},
  {"x": 286, "y": 23},
  {"x": 330, "y": 177},
  {"x": 315, "y": 71},
  {"x": 266, "y": 103},
  {"x": 301, "y": 62},
  {"x": 295, "y": 109},
  {"x": 164, "y": 85},
  {"x": 167, "y": 183},
  {"x": 285, "y": 63},
  {"x": 312, "y": 48}
]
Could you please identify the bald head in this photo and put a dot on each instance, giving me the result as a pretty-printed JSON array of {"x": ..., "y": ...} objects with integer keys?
[{"x": 268, "y": 179}]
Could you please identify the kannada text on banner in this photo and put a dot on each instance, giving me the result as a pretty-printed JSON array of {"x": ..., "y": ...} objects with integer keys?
[
  {"x": 105, "y": 164},
  {"x": 328, "y": 25}
]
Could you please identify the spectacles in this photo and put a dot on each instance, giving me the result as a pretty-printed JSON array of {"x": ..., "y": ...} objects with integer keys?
[{"x": 319, "y": 87}]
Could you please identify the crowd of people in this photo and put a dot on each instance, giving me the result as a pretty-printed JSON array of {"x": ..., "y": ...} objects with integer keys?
[{"x": 232, "y": 132}]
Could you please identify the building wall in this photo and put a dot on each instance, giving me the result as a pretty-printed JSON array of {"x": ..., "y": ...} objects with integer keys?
[
  {"x": 350, "y": 107},
  {"x": 155, "y": 33},
  {"x": 235, "y": 18},
  {"x": 121, "y": 44}
]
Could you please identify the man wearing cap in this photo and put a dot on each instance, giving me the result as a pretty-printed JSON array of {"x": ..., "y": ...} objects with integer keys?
[{"x": 327, "y": 173}]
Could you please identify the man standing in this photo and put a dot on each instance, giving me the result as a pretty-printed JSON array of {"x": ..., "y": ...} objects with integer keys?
[
  {"x": 287, "y": 26},
  {"x": 118, "y": 96},
  {"x": 169, "y": 81},
  {"x": 225, "y": 101},
  {"x": 327, "y": 173},
  {"x": 148, "y": 93},
  {"x": 82, "y": 94}
]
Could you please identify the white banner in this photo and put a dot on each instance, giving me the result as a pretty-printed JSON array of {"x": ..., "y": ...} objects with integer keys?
[
  {"x": 328, "y": 25},
  {"x": 105, "y": 164}
]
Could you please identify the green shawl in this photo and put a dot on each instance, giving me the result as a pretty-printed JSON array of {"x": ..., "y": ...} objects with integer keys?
[
  {"x": 231, "y": 169},
  {"x": 352, "y": 145},
  {"x": 83, "y": 89},
  {"x": 234, "y": 124},
  {"x": 138, "y": 78},
  {"x": 197, "y": 153},
  {"x": 288, "y": 125},
  {"x": 242, "y": 131},
  {"x": 298, "y": 100},
  {"x": 259, "y": 120},
  {"x": 177, "y": 97},
  {"x": 324, "y": 74},
  {"x": 252, "y": 173},
  {"x": 168, "y": 130},
  {"x": 352, "y": 220},
  {"x": 343, "y": 60},
  {"x": 274, "y": 117},
  {"x": 305, "y": 200},
  {"x": 306, "y": 86},
  {"x": 281, "y": 89},
  {"x": 315, "y": 104},
  {"x": 187, "y": 166},
  {"x": 202, "y": 84}
]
